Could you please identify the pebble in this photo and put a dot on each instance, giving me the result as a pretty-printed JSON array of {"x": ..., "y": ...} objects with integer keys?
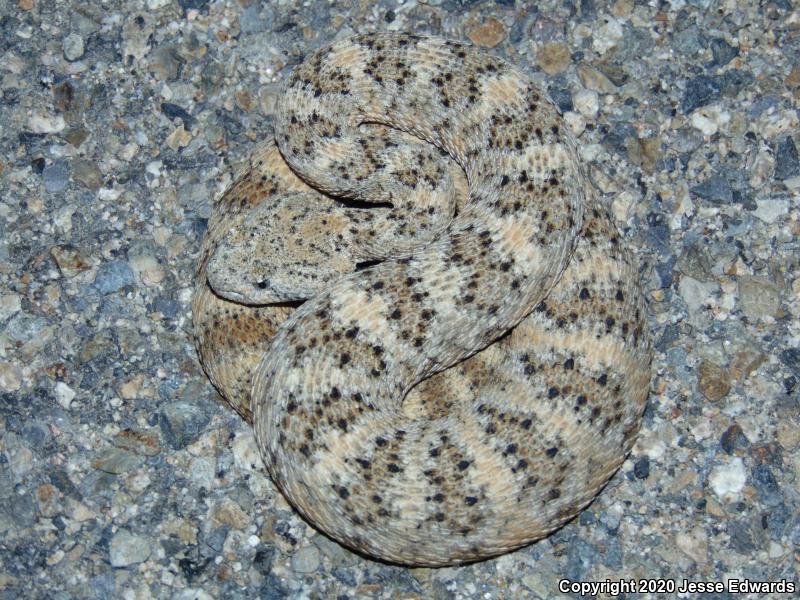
[
  {"x": 64, "y": 394},
  {"x": 771, "y": 210},
  {"x": 787, "y": 164},
  {"x": 766, "y": 485},
  {"x": 181, "y": 423},
  {"x": 306, "y": 560},
  {"x": 554, "y": 58},
  {"x": 55, "y": 177},
  {"x": 587, "y": 103},
  {"x": 734, "y": 439},
  {"x": 758, "y": 297},
  {"x": 713, "y": 381},
  {"x": 140, "y": 442},
  {"x": 87, "y": 173},
  {"x": 70, "y": 260},
  {"x": 715, "y": 189},
  {"x": 722, "y": 52},
  {"x": 694, "y": 544},
  {"x": 700, "y": 91},
  {"x": 741, "y": 538},
  {"x": 710, "y": 119},
  {"x": 147, "y": 268},
  {"x": 73, "y": 47},
  {"x": 594, "y": 80},
  {"x": 116, "y": 460},
  {"x": 113, "y": 276},
  {"x": 126, "y": 549},
  {"x": 727, "y": 479},
  {"x": 488, "y": 34},
  {"x": 9, "y": 305},
  {"x": 641, "y": 469},
  {"x": 10, "y": 377},
  {"x": 607, "y": 35},
  {"x": 45, "y": 123},
  {"x": 696, "y": 293}
]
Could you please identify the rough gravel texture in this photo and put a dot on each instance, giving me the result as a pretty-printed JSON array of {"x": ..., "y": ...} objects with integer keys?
[{"x": 123, "y": 476}]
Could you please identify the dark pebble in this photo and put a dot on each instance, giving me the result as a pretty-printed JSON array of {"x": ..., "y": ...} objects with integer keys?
[
  {"x": 791, "y": 358},
  {"x": 263, "y": 558},
  {"x": 722, "y": 52},
  {"x": 776, "y": 520},
  {"x": 766, "y": 485},
  {"x": 700, "y": 91},
  {"x": 619, "y": 135},
  {"x": 173, "y": 111},
  {"x": 787, "y": 164},
  {"x": 166, "y": 306},
  {"x": 671, "y": 333},
  {"x": 181, "y": 423},
  {"x": 193, "y": 4},
  {"x": 580, "y": 557},
  {"x": 642, "y": 467},
  {"x": 733, "y": 439},
  {"x": 734, "y": 81},
  {"x": 271, "y": 589},
  {"x": 562, "y": 98},
  {"x": 716, "y": 189}
]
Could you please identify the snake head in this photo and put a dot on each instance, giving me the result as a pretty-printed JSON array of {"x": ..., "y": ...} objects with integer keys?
[{"x": 282, "y": 251}]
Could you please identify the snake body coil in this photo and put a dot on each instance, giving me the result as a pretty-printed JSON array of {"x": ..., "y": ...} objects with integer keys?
[{"x": 467, "y": 370}]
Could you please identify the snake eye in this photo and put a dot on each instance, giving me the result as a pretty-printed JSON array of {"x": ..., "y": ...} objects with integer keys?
[{"x": 262, "y": 285}]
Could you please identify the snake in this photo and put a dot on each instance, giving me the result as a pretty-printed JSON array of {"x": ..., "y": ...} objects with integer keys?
[{"x": 415, "y": 295}]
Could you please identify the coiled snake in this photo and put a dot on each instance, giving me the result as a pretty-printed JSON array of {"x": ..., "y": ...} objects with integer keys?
[{"x": 470, "y": 362}]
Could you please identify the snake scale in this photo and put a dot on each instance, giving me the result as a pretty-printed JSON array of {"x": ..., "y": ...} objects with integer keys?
[{"x": 415, "y": 296}]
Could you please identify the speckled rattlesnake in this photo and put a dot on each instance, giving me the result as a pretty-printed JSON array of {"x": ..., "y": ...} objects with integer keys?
[{"x": 392, "y": 408}]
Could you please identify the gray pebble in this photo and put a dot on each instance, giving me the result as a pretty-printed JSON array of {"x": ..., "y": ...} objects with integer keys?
[
  {"x": 758, "y": 297},
  {"x": 741, "y": 538},
  {"x": 181, "y": 423},
  {"x": 734, "y": 81},
  {"x": 116, "y": 460},
  {"x": 127, "y": 549},
  {"x": 113, "y": 276},
  {"x": 55, "y": 177},
  {"x": 214, "y": 541},
  {"x": 73, "y": 47},
  {"x": 580, "y": 557},
  {"x": 306, "y": 559}
]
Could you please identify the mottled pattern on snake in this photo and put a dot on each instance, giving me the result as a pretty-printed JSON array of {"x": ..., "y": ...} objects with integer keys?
[{"x": 474, "y": 390}]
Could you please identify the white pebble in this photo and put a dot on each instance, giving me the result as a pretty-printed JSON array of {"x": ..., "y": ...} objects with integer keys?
[
  {"x": 770, "y": 210},
  {"x": 727, "y": 480},
  {"x": 710, "y": 119},
  {"x": 64, "y": 394},
  {"x": 42, "y": 123},
  {"x": 587, "y": 103}
]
